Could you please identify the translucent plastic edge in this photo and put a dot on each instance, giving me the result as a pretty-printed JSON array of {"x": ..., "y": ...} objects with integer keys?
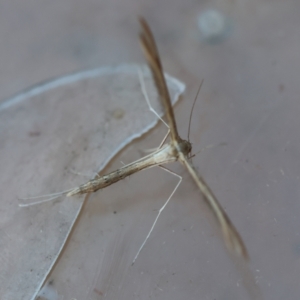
[{"x": 71, "y": 78}]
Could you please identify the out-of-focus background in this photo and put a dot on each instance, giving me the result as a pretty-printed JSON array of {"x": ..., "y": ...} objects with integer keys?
[{"x": 248, "y": 54}]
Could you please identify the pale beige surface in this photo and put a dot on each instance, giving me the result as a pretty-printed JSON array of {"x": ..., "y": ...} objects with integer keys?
[{"x": 250, "y": 101}]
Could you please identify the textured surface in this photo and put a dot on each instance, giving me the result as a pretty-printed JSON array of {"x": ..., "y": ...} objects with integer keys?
[{"x": 249, "y": 100}]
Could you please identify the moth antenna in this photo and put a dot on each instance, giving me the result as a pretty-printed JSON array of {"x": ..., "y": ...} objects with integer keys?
[
  {"x": 209, "y": 147},
  {"x": 193, "y": 108}
]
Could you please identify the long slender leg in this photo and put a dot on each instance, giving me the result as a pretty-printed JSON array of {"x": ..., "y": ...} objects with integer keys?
[
  {"x": 143, "y": 88},
  {"x": 50, "y": 197},
  {"x": 144, "y": 92},
  {"x": 159, "y": 212}
]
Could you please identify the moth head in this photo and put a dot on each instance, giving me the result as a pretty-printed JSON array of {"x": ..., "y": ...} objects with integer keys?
[{"x": 185, "y": 147}]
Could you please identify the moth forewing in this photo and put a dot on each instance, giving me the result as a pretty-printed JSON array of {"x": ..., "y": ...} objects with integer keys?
[
  {"x": 231, "y": 236},
  {"x": 152, "y": 56}
]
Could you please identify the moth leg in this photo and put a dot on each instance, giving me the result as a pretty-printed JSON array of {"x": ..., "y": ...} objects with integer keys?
[
  {"x": 144, "y": 92},
  {"x": 159, "y": 212}
]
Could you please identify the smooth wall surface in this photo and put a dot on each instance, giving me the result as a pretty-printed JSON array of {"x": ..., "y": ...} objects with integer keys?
[{"x": 247, "y": 52}]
